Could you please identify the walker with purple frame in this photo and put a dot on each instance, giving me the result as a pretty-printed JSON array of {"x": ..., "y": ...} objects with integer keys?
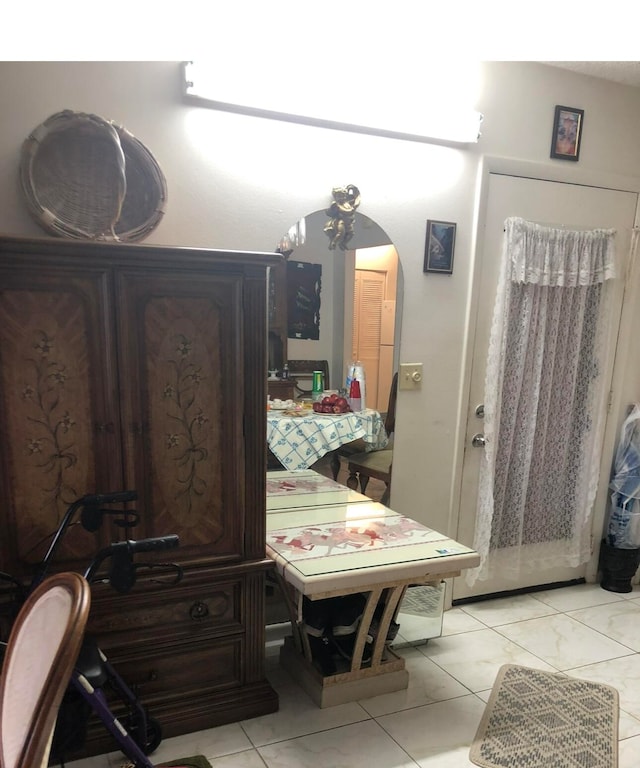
[{"x": 137, "y": 734}]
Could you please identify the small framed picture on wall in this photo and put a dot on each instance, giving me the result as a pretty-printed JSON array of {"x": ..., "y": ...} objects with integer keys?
[
  {"x": 567, "y": 133},
  {"x": 304, "y": 281},
  {"x": 439, "y": 247}
]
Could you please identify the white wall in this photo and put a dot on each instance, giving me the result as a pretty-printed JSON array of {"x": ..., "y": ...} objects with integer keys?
[{"x": 239, "y": 183}]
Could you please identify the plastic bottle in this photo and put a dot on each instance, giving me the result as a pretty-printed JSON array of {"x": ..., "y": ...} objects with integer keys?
[
  {"x": 355, "y": 396},
  {"x": 349, "y": 378},
  {"x": 359, "y": 375},
  {"x": 285, "y": 371}
]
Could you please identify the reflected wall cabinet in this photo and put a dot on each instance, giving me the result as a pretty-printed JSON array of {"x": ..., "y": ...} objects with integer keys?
[{"x": 143, "y": 367}]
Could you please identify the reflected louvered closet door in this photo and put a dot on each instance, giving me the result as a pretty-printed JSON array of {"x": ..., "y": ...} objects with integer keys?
[{"x": 369, "y": 293}]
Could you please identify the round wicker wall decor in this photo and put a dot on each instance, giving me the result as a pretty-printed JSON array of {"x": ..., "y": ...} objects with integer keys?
[{"x": 85, "y": 177}]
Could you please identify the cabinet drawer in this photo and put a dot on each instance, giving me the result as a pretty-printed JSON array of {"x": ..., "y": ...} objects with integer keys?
[
  {"x": 185, "y": 669},
  {"x": 163, "y": 616}
]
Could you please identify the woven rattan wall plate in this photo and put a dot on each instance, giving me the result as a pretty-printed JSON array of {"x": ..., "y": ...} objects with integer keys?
[
  {"x": 84, "y": 177},
  {"x": 146, "y": 195}
]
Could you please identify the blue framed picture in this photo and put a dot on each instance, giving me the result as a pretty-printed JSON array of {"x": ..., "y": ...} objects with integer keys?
[{"x": 439, "y": 247}]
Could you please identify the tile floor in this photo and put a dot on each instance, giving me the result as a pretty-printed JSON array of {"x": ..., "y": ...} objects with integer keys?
[{"x": 581, "y": 630}]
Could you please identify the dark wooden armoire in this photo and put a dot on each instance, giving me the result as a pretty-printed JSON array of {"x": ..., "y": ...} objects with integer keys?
[{"x": 144, "y": 367}]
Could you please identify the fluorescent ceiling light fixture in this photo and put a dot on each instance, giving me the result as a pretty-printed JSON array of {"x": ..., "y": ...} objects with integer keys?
[{"x": 374, "y": 106}]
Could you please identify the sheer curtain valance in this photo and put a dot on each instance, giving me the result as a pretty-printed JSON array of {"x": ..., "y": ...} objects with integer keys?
[{"x": 559, "y": 257}]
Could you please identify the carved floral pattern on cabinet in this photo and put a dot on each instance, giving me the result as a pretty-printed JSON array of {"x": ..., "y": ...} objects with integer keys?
[
  {"x": 186, "y": 441},
  {"x": 50, "y": 437},
  {"x": 45, "y": 360}
]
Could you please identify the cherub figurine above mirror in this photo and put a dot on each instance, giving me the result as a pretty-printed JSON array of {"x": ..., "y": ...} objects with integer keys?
[{"x": 339, "y": 228}]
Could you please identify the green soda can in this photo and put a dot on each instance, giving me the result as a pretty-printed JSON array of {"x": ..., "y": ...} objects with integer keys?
[{"x": 318, "y": 385}]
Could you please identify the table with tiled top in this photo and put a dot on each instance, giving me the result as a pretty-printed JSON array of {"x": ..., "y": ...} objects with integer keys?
[{"x": 342, "y": 548}]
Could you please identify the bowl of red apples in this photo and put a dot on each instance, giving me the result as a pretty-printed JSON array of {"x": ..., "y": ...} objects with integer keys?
[{"x": 332, "y": 404}]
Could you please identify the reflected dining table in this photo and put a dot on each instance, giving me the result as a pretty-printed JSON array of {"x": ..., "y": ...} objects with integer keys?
[{"x": 298, "y": 441}]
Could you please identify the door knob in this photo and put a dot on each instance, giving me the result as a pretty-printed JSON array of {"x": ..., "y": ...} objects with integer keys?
[{"x": 478, "y": 441}]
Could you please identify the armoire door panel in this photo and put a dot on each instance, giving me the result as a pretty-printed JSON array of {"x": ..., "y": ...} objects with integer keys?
[
  {"x": 60, "y": 431},
  {"x": 186, "y": 442}
]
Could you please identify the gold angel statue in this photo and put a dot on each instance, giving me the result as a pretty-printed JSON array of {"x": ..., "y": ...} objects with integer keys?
[{"x": 342, "y": 211}]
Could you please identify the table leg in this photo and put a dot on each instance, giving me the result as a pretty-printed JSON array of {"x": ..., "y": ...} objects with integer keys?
[
  {"x": 363, "y": 628},
  {"x": 393, "y": 597},
  {"x": 300, "y": 639},
  {"x": 335, "y": 464}
]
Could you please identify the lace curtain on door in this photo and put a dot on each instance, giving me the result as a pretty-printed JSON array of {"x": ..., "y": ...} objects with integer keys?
[{"x": 544, "y": 400}]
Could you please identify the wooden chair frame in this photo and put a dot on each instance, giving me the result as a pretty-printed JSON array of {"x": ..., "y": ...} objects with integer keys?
[{"x": 40, "y": 656}]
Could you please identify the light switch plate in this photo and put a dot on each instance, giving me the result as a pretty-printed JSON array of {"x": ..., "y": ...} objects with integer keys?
[{"x": 410, "y": 376}]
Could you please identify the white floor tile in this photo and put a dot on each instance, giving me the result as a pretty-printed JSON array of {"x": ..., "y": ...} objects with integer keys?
[
  {"x": 298, "y": 715},
  {"x": 628, "y": 726},
  {"x": 578, "y": 596},
  {"x": 493, "y": 613},
  {"x": 563, "y": 642},
  {"x": 619, "y": 620},
  {"x": 456, "y": 621},
  {"x": 438, "y": 735},
  {"x": 633, "y": 595},
  {"x": 475, "y": 658},
  {"x": 248, "y": 759},
  {"x": 628, "y": 753},
  {"x": 361, "y": 745},
  {"x": 427, "y": 683},
  {"x": 213, "y": 742}
]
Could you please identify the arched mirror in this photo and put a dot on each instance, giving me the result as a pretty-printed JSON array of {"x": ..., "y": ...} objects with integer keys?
[{"x": 357, "y": 306}]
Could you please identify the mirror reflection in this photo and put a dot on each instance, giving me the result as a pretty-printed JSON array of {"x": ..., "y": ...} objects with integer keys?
[{"x": 336, "y": 305}]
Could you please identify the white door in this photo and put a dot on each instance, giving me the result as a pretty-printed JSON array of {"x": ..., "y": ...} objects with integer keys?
[{"x": 549, "y": 203}]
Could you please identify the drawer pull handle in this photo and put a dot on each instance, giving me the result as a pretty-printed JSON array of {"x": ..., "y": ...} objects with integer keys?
[{"x": 199, "y": 611}]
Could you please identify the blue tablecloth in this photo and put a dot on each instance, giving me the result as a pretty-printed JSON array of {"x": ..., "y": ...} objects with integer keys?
[{"x": 299, "y": 441}]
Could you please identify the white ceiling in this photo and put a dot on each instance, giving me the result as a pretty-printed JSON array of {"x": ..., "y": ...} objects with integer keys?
[{"x": 626, "y": 72}]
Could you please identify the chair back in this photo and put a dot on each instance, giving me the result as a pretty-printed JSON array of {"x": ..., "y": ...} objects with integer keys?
[
  {"x": 376, "y": 464},
  {"x": 302, "y": 372},
  {"x": 41, "y": 652},
  {"x": 390, "y": 418}
]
